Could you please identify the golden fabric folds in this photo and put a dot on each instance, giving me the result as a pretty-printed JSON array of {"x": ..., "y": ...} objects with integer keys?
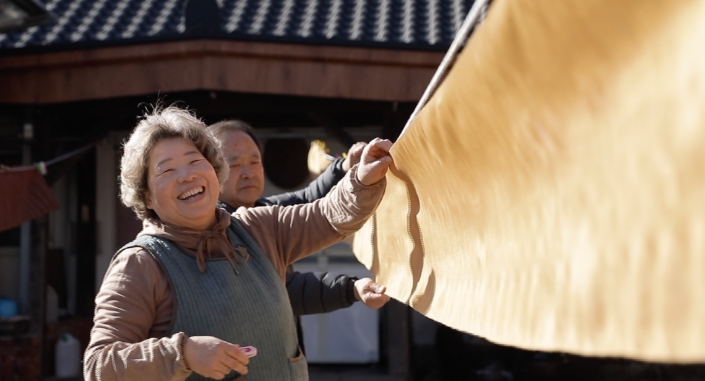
[{"x": 551, "y": 194}]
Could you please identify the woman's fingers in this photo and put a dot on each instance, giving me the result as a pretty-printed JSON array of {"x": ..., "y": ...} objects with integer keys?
[
  {"x": 375, "y": 161},
  {"x": 235, "y": 353},
  {"x": 216, "y": 375},
  {"x": 376, "y": 149},
  {"x": 236, "y": 360},
  {"x": 221, "y": 371},
  {"x": 228, "y": 366}
]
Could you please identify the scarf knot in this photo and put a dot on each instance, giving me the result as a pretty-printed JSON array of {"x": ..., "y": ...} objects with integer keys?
[
  {"x": 213, "y": 242},
  {"x": 217, "y": 241}
]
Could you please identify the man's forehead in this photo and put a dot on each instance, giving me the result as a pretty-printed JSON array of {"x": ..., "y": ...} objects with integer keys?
[{"x": 238, "y": 155}]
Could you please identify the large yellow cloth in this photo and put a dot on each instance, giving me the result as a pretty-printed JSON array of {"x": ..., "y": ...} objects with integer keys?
[{"x": 551, "y": 194}]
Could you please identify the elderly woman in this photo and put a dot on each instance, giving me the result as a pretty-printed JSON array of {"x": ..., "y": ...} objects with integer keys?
[{"x": 198, "y": 283}]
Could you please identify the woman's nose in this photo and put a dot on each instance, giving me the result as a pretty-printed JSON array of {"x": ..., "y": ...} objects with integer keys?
[{"x": 186, "y": 175}]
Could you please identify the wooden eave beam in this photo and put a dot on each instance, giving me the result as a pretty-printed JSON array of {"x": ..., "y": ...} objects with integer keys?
[{"x": 220, "y": 65}]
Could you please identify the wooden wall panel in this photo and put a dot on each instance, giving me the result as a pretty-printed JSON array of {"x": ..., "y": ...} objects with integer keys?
[
  {"x": 282, "y": 69},
  {"x": 316, "y": 78}
]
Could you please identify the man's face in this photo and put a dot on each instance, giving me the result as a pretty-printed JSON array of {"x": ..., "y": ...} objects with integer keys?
[{"x": 246, "y": 182}]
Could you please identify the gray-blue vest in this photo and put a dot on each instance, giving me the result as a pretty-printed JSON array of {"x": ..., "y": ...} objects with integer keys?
[{"x": 251, "y": 308}]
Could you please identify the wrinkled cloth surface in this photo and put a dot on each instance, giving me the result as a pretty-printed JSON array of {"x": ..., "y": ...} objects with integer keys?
[{"x": 551, "y": 194}]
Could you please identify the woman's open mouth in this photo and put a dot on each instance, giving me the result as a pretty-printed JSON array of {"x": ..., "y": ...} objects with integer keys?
[{"x": 191, "y": 193}]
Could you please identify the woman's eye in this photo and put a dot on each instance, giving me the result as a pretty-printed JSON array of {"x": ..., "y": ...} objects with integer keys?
[
  {"x": 234, "y": 165},
  {"x": 195, "y": 161}
]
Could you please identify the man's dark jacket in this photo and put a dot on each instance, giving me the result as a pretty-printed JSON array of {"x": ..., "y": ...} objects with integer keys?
[{"x": 312, "y": 293}]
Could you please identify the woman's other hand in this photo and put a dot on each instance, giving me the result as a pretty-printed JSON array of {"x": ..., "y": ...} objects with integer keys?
[
  {"x": 213, "y": 357},
  {"x": 375, "y": 161},
  {"x": 370, "y": 293}
]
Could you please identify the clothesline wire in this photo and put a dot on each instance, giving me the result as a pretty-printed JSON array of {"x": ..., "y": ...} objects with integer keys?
[{"x": 41, "y": 166}]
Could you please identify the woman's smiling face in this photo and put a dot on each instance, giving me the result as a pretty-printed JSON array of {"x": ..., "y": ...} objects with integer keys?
[{"x": 183, "y": 186}]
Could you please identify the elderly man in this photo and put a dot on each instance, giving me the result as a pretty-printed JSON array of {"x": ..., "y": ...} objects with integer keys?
[{"x": 309, "y": 293}]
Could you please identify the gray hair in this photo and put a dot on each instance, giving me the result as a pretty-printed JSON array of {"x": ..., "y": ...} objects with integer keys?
[
  {"x": 161, "y": 124},
  {"x": 235, "y": 125}
]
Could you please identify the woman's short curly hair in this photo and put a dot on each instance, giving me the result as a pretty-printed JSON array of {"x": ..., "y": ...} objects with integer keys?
[{"x": 160, "y": 124}]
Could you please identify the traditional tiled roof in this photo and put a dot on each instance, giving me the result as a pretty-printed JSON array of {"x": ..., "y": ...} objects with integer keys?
[{"x": 410, "y": 24}]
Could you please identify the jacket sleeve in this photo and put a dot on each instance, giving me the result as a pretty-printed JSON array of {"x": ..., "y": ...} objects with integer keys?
[
  {"x": 289, "y": 233},
  {"x": 315, "y": 293},
  {"x": 316, "y": 189},
  {"x": 128, "y": 306}
]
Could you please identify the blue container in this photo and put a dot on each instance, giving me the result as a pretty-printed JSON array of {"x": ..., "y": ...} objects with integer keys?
[{"x": 8, "y": 308}]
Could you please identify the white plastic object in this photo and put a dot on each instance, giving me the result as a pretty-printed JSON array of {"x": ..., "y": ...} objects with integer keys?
[{"x": 67, "y": 356}]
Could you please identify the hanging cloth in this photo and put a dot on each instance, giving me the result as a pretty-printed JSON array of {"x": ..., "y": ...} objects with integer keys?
[{"x": 551, "y": 193}]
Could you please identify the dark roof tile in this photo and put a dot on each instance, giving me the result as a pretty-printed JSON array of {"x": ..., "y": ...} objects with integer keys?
[{"x": 411, "y": 24}]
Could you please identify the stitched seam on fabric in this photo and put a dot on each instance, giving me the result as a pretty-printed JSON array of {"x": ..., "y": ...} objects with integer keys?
[{"x": 416, "y": 257}]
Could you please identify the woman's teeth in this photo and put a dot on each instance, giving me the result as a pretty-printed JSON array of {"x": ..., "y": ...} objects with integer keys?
[{"x": 191, "y": 193}]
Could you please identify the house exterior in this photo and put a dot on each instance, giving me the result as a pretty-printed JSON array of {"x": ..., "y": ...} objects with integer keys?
[{"x": 73, "y": 88}]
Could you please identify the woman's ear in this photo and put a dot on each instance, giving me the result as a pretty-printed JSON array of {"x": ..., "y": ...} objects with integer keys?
[{"x": 147, "y": 200}]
